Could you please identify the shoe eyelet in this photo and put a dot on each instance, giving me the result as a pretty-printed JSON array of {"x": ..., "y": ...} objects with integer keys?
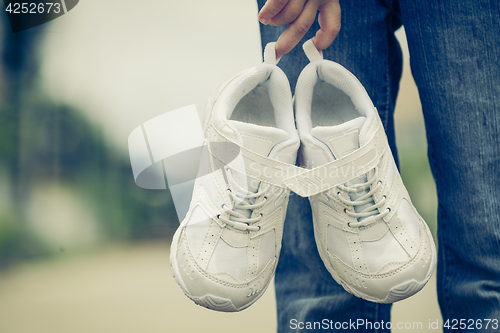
[
  {"x": 389, "y": 209},
  {"x": 218, "y": 217},
  {"x": 345, "y": 210},
  {"x": 349, "y": 224}
]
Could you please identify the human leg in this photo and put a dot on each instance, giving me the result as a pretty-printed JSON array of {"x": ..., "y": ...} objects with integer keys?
[
  {"x": 455, "y": 53},
  {"x": 366, "y": 46}
]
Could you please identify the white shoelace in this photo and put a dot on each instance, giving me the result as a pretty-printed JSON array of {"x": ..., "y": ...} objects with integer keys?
[
  {"x": 370, "y": 214},
  {"x": 240, "y": 199}
]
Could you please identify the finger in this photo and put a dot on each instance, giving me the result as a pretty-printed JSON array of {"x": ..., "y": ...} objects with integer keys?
[
  {"x": 329, "y": 22},
  {"x": 288, "y": 14},
  {"x": 270, "y": 9},
  {"x": 297, "y": 29}
]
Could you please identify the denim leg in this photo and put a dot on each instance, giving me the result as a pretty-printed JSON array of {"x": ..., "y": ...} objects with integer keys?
[
  {"x": 366, "y": 46},
  {"x": 455, "y": 58}
]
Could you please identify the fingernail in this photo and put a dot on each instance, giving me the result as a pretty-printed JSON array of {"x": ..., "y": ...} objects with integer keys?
[{"x": 264, "y": 20}]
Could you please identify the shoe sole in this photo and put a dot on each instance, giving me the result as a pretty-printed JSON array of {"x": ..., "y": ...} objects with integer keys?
[
  {"x": 208, "y": 301},
  {"x": 397, "y": 293}
]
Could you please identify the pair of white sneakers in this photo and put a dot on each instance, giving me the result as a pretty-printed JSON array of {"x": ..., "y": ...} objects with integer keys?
[{"x": 369, "y": 236}]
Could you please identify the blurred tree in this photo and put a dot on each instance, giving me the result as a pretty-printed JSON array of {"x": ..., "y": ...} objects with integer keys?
[{"x": 42, "y": 141}]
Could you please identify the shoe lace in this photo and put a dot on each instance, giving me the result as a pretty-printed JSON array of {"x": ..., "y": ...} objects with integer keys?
[
  {"x": 241, "y": 199},
  {"x": 369, "y": 214}
]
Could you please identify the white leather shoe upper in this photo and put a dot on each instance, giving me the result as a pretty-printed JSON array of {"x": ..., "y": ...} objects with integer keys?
[
  {"x": 368, "y": 233},
  {"x": 225, "y": 252}
]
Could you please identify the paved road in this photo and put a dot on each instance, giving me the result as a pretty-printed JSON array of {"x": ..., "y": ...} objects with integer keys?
[{"x": 130, "y": 289}]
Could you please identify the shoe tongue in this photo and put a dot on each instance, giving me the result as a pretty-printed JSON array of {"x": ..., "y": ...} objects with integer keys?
[
  {"x": 342, "y": 140},
  {"x": 260, "y": 140}
]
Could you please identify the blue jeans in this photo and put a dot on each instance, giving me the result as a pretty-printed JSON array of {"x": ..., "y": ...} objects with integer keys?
[{"x": 455, "y": 60}]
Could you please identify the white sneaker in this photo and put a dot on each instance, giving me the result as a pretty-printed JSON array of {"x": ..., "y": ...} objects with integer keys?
[
  {"x": 225, "y": 252},
  {"x": 369, "y": 235}
]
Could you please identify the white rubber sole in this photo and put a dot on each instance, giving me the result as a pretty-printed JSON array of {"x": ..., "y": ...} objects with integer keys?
[{"x": 397, "y": 293}]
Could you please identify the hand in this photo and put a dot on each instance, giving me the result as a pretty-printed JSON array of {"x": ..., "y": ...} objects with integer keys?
[{"x": 300, "y": 15}]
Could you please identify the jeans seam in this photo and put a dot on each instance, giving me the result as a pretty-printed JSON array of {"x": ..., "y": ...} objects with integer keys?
[
  {"x": 444, "y": 283},
  {"x": 384, "y": 113},
  {"x": 387, "y": 90},
  {"x": 446, "y": 286}
]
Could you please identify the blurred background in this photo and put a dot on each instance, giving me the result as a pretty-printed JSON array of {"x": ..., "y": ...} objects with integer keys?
[{"x": 82, "y": 248}]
